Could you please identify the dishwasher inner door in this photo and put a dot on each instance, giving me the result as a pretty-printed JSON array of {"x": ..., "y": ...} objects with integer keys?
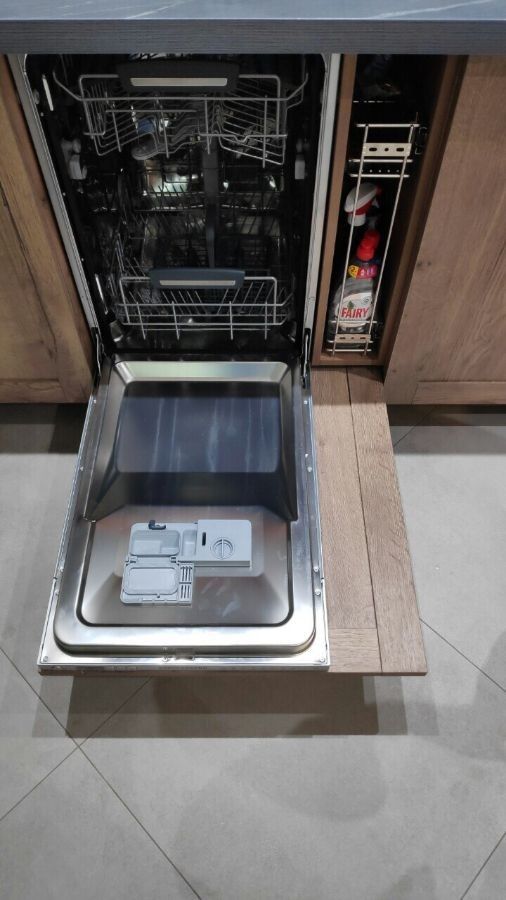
[{"x": 173, "y": 451}]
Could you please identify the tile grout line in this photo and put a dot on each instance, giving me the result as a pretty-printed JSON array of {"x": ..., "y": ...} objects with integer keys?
[
  {"x": 463, "y": 655},
  {"x": 480, "y": 870},
  {"x": 139, "y": 823},
  {"x": 39, "y": 698},
  {"x": 426, "y": 416},
  {"x": 55, "y": 717},
  {"x": 115, "y": 711},
  {"x": 24, "y": 797}
]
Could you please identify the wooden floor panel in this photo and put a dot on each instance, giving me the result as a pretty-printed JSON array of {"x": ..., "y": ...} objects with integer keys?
[
  {"x": 345, "y": 557},
  {"x": 372, "y": 611}
]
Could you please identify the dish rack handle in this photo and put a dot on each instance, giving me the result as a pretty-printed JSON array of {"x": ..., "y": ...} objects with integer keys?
[
  {"x": 179, "y": 76},
  {"x": 197, "y": 279}
]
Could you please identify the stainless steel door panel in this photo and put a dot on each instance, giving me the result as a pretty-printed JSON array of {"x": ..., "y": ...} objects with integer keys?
[{"x": 131, "y": 454}]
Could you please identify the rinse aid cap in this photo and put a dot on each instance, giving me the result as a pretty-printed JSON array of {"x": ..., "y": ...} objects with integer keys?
[{"x": 367, "y": 194}]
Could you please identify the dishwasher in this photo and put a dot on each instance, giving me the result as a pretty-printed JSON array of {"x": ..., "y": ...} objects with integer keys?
[{"x": 190, "y": 193}]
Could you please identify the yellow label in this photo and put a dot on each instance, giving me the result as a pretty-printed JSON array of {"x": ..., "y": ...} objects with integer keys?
[{"x": 353, "y": 271}]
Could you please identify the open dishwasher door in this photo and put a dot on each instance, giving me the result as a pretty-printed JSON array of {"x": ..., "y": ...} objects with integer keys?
[
  {"x": 193, "y": 223},
  {"x": 192, "y": 537}
]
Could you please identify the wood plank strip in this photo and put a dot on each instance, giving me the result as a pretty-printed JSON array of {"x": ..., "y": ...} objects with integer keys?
[
  {"x": 348, "y": 585},
  {"x": 354, "y": 651},
  {"x": 344, "y": 359},
  {"x": 460, "y": 392},
  {"x": 399, "y": 631}
]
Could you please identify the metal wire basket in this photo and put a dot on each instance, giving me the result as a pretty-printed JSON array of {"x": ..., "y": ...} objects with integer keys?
[
  {"x": 150, "y": 239},
  {"x": 385, "y": 152},
  {"x": 250, "y": 122},
  {"x": 257, "y": 305}
]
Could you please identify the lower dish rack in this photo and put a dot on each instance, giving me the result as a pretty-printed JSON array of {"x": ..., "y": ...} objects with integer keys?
[
  {"x": 255, "y": 304},
  {"x": 180, "y": 264}
]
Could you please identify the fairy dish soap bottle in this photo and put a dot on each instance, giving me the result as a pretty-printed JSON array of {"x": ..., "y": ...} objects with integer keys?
[{"x": 351, "y": 307}]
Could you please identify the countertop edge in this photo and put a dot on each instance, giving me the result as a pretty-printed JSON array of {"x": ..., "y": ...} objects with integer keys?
[{"x": 388, "y": 35}]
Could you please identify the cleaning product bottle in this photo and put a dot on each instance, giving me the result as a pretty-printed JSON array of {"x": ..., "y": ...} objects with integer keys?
[
  {"x": 366, "y": 194},
  {"x": 351, "y": 307}
]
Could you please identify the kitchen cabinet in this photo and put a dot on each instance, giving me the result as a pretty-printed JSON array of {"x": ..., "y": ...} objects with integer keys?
[
  {"x": 449, "y": 347},
  {"x": 45, "y": 346}
]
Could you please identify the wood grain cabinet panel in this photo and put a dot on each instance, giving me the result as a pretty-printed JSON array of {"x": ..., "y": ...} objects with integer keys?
[
  {"x": 450, "y": 344},
  {"x": 45, "y": 348}
]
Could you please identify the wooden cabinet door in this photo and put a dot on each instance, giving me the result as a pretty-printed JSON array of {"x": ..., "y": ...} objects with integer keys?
[
  {"x": 450, "y": 347},
  {"x": 45, "y": 348}
]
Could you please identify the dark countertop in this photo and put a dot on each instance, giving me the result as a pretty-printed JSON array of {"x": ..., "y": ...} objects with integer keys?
[{"x": 400, "y": 26}]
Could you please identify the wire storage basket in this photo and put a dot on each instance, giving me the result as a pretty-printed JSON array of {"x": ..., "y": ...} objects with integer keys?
[
  {"x": 383, "y": 152},
  {"x": 164, "y": 113}
]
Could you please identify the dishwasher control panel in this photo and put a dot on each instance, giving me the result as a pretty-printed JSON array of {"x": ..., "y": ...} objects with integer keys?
[{"x": 162, "y": 557}]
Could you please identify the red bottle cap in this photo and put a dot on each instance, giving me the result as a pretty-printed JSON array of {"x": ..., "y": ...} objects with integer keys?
[{"x": 368, "y": 245}]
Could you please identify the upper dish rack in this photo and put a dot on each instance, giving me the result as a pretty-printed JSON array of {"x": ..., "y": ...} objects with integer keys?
[{"x": 165, "y": 105}]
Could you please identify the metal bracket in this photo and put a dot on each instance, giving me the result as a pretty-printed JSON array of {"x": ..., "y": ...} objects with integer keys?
[
  {"x": 375, "y": 150},
  {"x": 305, "y": 356}
]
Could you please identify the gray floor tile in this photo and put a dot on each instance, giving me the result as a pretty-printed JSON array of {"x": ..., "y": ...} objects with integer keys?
[
  {"x": 83, "y": 704},
  {"x": 403, "y": 418},
  {"x": 31, "y": 741},
  {"x": 409, "y": 812},
  {"x": 491, "y": 882},
  {"x": 73, "y": 838},
  {"x": 453, "y": 485},
  {"x": 258, "y": 786},
  {"x": 38, "y": 448},
  {"x": 29, "y": 428}
]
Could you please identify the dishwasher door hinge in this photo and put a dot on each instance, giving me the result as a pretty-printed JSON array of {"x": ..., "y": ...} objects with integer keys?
[{"x": 306, "y": 344}]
